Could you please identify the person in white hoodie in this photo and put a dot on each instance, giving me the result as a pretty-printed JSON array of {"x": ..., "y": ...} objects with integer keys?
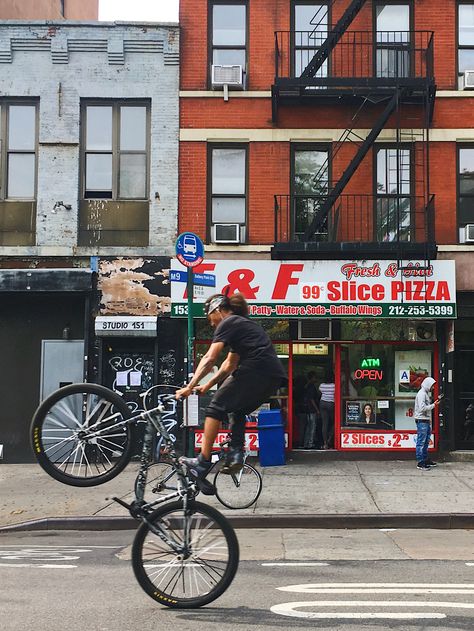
[{"x": 423, "y": 407}]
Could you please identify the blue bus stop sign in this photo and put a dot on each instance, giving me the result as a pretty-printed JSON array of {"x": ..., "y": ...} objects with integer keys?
[{"x": 189, "y": 249}]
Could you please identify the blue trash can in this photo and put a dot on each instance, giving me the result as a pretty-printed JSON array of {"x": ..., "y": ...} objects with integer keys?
[{"x": 271, "y": 438}]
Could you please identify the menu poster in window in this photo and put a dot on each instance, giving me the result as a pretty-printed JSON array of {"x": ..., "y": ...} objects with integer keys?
[
  {"x": 411, "y": 367},
  {"x": 353, "y": 411}
]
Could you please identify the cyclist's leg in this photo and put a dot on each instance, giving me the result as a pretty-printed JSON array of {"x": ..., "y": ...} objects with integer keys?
[{"x": 237, "y": 428}]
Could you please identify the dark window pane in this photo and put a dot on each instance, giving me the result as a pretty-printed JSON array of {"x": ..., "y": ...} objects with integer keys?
[
  {"x": 466, "y": 210},
  {"x": 311, "y": 172},
  {"x": 466, "y": 24},
  {"x": 228, "y": 21},
  {"x": 466, "y": 171},
  {"x": 393, "y": 219},
  {"x": 390, "y": 179}
]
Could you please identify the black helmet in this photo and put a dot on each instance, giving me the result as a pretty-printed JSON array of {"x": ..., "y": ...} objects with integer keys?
[{"x": 214, "y": 302}]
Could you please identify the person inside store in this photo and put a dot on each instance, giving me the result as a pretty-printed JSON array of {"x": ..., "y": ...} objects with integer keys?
[
  {"x": 367, "y": 415},
  {"x": 300, "y": 412},
  {"x": 469, "y": 422},
  {"x": 422, "y": 414},
  {"x": 250, "y": 375},
  {"x": 312, "y": 397},
  {"x": 326, "y": 405}
]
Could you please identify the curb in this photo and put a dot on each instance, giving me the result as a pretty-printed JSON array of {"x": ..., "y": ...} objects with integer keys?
[{"x": 438, "y": 521}]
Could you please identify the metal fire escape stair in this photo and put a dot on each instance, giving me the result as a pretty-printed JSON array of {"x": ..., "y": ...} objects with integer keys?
[
  {"x": 332, "y": 39},
  {"x": 323, "y": 212}
]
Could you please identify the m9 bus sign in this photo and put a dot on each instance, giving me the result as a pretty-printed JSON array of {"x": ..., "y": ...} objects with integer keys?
[{"x": 325, "y": 289}]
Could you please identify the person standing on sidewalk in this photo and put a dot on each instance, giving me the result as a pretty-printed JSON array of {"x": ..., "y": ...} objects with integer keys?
[
  {"x": 423, "y": 407},
  {"x": 326, "y": 405},
  {"x": 311, "y": 399}
]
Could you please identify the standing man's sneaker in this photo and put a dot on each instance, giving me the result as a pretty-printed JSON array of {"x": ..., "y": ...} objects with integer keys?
[
  {"x": 198, "y": 467},
  {"x": 423, "y": 466},
  {"x": 234, "y": 461},
  {"x": 430, "y": 463}
]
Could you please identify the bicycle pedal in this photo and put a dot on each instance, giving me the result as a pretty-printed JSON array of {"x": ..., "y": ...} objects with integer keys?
[
  {"x": 122, "y": 503},
  {"x": 206, "y": 487}
]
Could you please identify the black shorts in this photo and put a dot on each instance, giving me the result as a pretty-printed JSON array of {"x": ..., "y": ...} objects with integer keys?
[{"x": 242, "y": 393}]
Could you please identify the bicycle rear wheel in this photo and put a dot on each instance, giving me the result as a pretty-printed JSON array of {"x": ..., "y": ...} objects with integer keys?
[
  {"x": 79, "y": 436},
  {"x": 238, "y": 490},
  {"x": 204, "y": 566}
]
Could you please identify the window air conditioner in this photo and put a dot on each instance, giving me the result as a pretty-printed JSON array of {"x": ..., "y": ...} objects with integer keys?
[
  {"x": 227, "y": 75},
  {"x": 226, "y": 233},
  {"x": 314, "y": 329},
  {"x": 469, "y": 233},
  {"x": 468, "y": 82}
]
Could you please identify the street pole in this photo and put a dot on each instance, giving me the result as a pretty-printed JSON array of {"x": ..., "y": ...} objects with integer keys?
[{"x": 190, "y": 354}]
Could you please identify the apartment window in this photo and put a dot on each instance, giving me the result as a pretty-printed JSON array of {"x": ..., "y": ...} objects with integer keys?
[
  {"x": 309, "y": 187},
  {"x": 228, "y": 182},
  {"x": 392, "y": 24},
  {"x": 309, "y": 32},
  {"x": 465, "y": 192},
  {"x": 465, "y": 37},
  {"x": 229, "y": 33},
  {"x": 61, "y": 7},
  {"x": 116, "y": 150},
  {"x": 393, "y": 194},
  {"x": 18, "y": 140}
]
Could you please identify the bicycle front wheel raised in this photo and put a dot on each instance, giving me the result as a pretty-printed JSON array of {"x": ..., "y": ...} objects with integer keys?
[
  {"x": 80, "y": 435},
  {"x": 200, "y": 569},
  {"x": 238, "y": 490}
]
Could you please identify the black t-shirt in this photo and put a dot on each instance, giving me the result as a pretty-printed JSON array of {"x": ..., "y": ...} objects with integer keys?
[{"x": 249, "y": 340}]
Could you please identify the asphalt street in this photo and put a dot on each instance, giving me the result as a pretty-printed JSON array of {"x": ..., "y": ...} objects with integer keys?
[{"x": 351, "y": 580}]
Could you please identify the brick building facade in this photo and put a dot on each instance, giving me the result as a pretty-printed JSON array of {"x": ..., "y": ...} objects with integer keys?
[{"x": 349, "y": 137}]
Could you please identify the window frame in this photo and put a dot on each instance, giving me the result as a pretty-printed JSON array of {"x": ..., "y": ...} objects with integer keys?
[
  {"x": 458, "y": 45},
  {"x": 411, "y": 195},
  {"x": 459, "y": 223},
  {"x": 210, "y": 195},
  {"x": 306, "y": 146},
  {"x": 116, "y": 105},
  {"x": 210, "y": 38},
  {"x": 5, "y": 152},
  {"x": 392, "y": 46},
  {"x": 293, "y": 46}
]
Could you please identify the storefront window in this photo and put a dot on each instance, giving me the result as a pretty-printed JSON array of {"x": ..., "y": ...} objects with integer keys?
[
  {"x": 379, "y": 383},
  {"x": 376, "y": 329}
]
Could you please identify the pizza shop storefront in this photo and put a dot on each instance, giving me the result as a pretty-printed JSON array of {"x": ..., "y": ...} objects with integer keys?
[{"x": 379, "y": 332}]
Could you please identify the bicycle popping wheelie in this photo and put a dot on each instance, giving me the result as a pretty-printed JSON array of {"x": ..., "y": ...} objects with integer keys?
[{"x": 185, "y": 553}]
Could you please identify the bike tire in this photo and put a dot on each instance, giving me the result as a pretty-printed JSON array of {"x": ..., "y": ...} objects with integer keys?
[
  {"x": 153, "y": 560},
  {"x": 81, "y": 460},
  {"x": 238, "y": 490},
  {"x": 161, "y": 479}
]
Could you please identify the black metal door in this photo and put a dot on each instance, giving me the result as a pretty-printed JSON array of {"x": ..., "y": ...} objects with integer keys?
[{"x": 463, "y": 396}]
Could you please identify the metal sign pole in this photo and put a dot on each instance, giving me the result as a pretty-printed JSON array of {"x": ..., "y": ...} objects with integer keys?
[{"x": 190, "y": 290}]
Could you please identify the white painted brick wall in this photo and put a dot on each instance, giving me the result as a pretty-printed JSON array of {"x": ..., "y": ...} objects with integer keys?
[{"x": 112, "y": 70}]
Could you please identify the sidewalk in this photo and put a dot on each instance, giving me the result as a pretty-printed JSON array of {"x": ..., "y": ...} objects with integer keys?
[{"x": 308, "y": 492}]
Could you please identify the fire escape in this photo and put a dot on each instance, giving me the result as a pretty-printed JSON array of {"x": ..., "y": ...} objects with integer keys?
[{"x": 385, "y": 77}]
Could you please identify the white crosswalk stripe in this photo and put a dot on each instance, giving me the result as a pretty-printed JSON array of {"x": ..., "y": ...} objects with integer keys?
[{"x": 338, "y": 609}]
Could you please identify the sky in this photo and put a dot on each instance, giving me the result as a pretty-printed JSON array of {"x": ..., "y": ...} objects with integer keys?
[{"x": 139, "y": 10}]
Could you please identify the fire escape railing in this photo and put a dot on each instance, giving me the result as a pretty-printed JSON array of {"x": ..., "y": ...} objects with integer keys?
[{"x": 385, "y": 56}]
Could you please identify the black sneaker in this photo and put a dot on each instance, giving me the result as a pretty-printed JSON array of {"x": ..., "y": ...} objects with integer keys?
[
  {"x": 234, "y": 461},
  {"x": 197, "y": 467},
  {"x": 423, "y": 466},
  {"x": 430, "y": 463}
]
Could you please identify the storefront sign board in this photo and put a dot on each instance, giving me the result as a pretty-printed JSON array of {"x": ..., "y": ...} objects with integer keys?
[
  {"x": 393, "y": 441},
  {"x": 327, "y": 289},
  {"x": 126, "y": 326},
  {"x": 251, "y": 440}
]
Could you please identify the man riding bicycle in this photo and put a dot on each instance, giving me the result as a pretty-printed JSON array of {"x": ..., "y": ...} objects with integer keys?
[{"x": 250, "y": 374}]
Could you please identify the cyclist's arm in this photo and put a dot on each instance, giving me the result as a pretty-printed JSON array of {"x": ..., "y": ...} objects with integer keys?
[
  {"x": 206, "y": 364},
  {"x": 227, "y": 367}
]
